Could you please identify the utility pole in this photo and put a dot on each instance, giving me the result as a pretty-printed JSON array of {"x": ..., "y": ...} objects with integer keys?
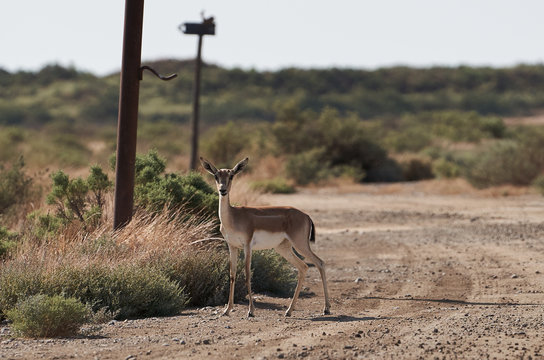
[
  {"x": 207, "y": 27},
  {"x": 129, "y": 90},
  {"x": 128, "y": 113}
]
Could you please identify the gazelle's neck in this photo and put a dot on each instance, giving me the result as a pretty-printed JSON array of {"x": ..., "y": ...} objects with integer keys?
[{"x": 224, "y": 207}]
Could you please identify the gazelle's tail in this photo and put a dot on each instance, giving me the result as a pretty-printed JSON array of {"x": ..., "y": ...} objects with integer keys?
[{"x": 312, "y": 231}]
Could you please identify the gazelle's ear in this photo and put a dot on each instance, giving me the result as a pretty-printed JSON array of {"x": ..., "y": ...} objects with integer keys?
[
  {"x": 208, "y": 166},
  {"x": 240, "y": 166}
]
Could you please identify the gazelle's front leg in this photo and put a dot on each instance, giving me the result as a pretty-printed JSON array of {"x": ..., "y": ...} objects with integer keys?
[
  {"x": 233, "y": 265},
  {"x": 247, "y": 251}
]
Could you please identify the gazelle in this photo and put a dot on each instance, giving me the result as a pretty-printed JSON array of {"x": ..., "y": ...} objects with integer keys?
[{"x": 258, "y": 228}]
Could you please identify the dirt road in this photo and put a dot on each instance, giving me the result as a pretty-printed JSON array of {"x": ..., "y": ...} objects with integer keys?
[{"x": 411, "y": 276}]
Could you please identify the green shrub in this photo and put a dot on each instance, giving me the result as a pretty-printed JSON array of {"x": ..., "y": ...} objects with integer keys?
[
  {"x": 15, "y": 186},
  {"x": 205, "y": 276},
  {"x": 507, "y": 162},
  {"x": 81, "y": 199},
  {"x": 274, "y": 186},
  {"x": 446, "y": 168},
  {"x": 69, "y": 150},
  {"x": 386, "y": 170},
  {"x": 48, "y": 316},
  {"x": 7, "y": 241},
  {"x": 348, "y": 171},
  {"x": 272, "y": 273},
  {"x": 308, "y": 167},
  {"x": 154, "y": 190},
  {"x": 416, "y": 169},
  {"x": 317, "y": 146},
  {"x": 10, "y": 139},
  {"x": 411, "y": 139},
  {"x": 130, "y": 291},
  {"x": 17, "y": 282},
  {"x": 126, "y": 290},
  {"x": 225, "y": 143},
  {"x": 44, "y": 226},
  {"x": 538, "y": 183}
]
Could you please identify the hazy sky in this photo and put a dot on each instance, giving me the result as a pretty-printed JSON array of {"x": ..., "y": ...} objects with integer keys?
[{"x": 277, "y": 33}]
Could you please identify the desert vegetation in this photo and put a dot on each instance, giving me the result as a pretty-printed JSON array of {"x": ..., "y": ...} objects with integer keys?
[
  {"x": 301, "y": 127},
  {"x": 66, "y": 260}
]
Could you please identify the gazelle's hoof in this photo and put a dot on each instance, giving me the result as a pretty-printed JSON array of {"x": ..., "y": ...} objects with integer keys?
[
  {"x": 226, "y": 312},
  {"x": 288, "y": 313},
  {"x": 250, "y": 315},
  {"x": 326, "y": 312}
]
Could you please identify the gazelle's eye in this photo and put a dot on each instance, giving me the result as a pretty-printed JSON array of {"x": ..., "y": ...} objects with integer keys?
[
  {"x": 216, "y": 178},
  {"x": 231, "y": 176}
]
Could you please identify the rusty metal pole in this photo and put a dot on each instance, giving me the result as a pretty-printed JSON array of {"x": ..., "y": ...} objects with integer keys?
[
  {"x": 128, "y": 113},
  {"x": 196, "y": 107}
]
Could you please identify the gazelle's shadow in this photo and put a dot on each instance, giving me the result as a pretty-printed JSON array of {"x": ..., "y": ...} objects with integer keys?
[{"x": 346, "y": 318}]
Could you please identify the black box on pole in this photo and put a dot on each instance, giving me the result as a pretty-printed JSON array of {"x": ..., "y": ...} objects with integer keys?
[{"x": 198, "y": 28}]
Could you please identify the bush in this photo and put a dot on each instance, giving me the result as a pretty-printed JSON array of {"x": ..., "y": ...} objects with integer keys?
[
  {"x": 154, "y": 190},
  {"x": 7, "y": 241},
  {"x": 225, "y": 143},
  {"x": 130, "y": 291},
  {"x": 81, "y": 199},
  {"x": 416, "y": 169},
  {"x": 507, "y": 162},
  {"x": 416, "y": 132},
  {"x": 17, "y": 282},
  {"x": 317, "y": 147},
  {"x": 193, "y": 267},
  {"x": 43, "y": 226},
  {"x": 127, "y": 290},
  {"x": 274, "y": 186},
  {"x": 538, "y": 183},
  {"x": 15, "y": 186},
  {"x": 308, "y": 167},
  {"x": 48, "y": 316},
  {"x": 385, "y": 171},
  {"x": 272, "y": 273}
]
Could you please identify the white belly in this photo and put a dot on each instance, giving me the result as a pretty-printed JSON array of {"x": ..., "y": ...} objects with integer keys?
[{"x": 266, "y": 240}]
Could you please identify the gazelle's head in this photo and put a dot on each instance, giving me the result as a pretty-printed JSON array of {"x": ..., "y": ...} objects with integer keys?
[{"x": 223, "y": 177}]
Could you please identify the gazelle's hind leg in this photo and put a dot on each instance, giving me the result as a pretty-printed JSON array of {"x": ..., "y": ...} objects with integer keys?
[
  {"x": 308, "y": 254},
  {"x": 285, "y": 249}
]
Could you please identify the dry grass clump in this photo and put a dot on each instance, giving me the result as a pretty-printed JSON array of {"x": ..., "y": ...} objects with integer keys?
[
  {"x": 119, "y": 270},
  {"x": 154, "y": 266}
]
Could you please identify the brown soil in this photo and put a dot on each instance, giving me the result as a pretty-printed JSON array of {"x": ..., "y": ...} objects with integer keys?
[{"x": 411, "y": 275}]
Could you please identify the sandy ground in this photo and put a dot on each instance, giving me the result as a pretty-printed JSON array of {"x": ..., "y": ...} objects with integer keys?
[{"x": 411, "y": 276}]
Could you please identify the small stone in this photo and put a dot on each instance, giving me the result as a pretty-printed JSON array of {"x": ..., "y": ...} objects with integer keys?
[
  {"x": 206, "y": 342},
  {"x": 514, "y": 276},
  {"x": 182, "y": 342},
  {"x": 358, "y": 280},
  {"x": 130, "y": 357}
]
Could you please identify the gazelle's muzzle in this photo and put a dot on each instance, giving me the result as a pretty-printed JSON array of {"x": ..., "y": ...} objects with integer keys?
[{"x": 223, "y": 192}]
